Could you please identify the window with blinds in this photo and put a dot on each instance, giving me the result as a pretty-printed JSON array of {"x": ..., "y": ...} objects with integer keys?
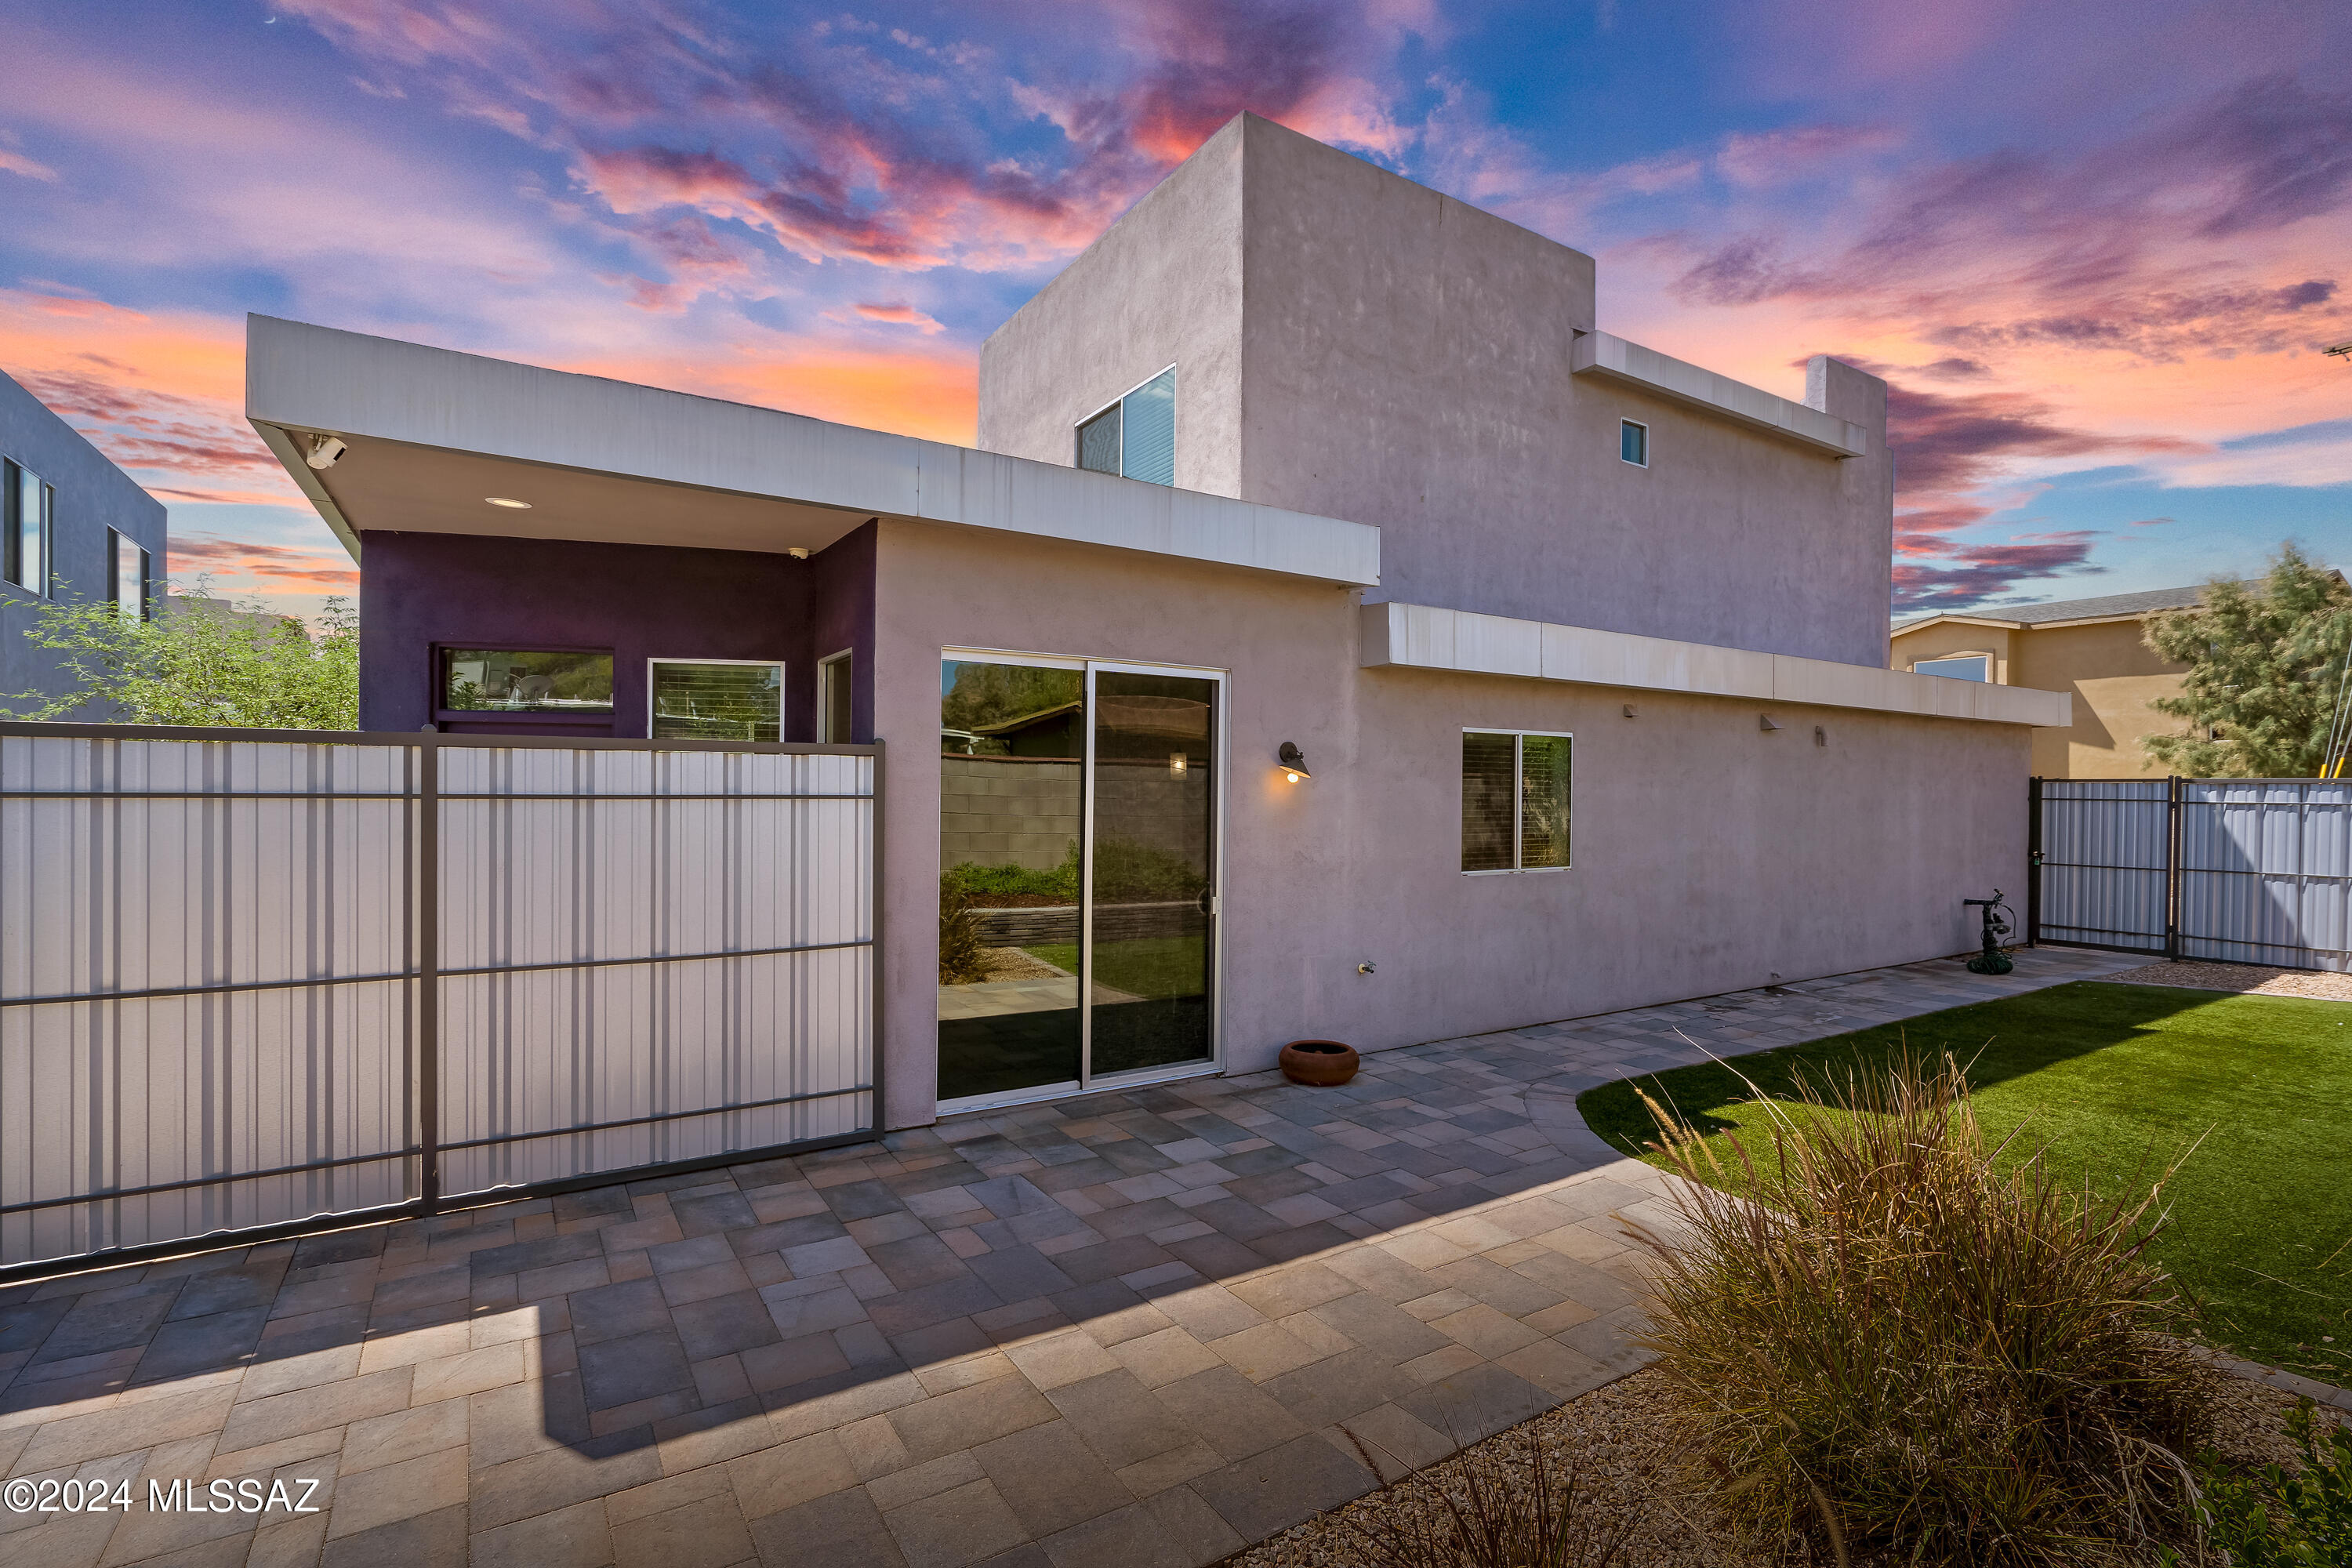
[
  {"x": 719, "y": 700},
  {"x": 1514, "y": 799},
  {"x": 1135, "y": 437}
]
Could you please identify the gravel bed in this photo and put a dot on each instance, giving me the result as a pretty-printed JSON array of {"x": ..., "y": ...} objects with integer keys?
[
  {"x": 1012, "y": 963},
  {"x": 2258, "y": 979},
  {"x": 1633, "y": 1475}
]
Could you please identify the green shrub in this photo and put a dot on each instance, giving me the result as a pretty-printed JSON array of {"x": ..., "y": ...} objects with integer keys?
[
  {"x": 962, "y": 958},
  {"x": 1057, "y": 882},
  {"x": 1125, "y": 872},
  {"x": 1881, "y": 1345},
  {"x": 2273, "y": 1519}
]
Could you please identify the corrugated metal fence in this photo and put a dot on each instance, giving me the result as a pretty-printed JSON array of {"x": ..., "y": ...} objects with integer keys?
[
  {"x": 252, "y": 978},
  {"x": 2246, "y": 870}
]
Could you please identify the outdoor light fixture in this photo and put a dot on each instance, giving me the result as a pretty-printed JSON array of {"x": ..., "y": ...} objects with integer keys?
[
  {"x": 324, "y": 450},
  {"x": 1177, "y": 764},
  {"x": 508, "y": 502},
  {"x": 1293, "y": 761},
  {"x": 1766, "y": 722},
  {"x": 797, "y": 551}
]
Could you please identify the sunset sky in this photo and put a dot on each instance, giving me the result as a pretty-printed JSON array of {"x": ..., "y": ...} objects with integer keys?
[{"x": 2096, "y": 247}]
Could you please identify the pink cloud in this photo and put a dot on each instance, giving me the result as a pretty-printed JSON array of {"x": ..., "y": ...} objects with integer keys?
[{"x": 899, "y": 316}]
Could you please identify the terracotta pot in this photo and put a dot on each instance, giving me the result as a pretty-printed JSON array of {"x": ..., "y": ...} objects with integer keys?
[{"x": 1319, "y": 1064}]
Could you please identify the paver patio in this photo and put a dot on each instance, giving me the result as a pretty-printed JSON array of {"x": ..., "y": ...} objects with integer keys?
[{"x": 1122, "y": 1330}]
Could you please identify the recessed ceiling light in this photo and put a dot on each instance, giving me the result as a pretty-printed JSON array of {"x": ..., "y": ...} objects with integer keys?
[{"x": 506, "y": 501}]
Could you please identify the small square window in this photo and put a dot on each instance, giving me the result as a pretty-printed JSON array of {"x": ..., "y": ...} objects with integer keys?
[
  {"x": 1633, "y": 442},
  {"x": 1136, "y": 436},
  {"x": 1514, "y": 799}
]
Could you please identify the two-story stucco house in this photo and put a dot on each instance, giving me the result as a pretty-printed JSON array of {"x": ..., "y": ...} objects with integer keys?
[
  {"x": 1336, "y": 632},
  {"x": 73, "y": 527}
]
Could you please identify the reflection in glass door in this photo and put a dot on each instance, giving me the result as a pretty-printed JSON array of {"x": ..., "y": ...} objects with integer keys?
[
  {"x": 1012, "y": 817},
  {"x": 1077, "y": 820},
  {"x": 1153, "y": 781}
]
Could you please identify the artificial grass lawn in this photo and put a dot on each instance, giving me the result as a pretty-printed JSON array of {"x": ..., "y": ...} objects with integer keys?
[
  {"x": 1152, "y": 966},
  {"x": 2118, "y": 1080}
]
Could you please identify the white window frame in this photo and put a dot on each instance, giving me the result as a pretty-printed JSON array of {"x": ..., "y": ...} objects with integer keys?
[
  {"x": 1643, "y": 428},
  {"x": 1080, "y": 424},
  {"x": 829, "y": 669},
  {"x": 1519, "y": 800},
  {"x": 777, "y": 665},
  {"x": 1954, "y": 658}
]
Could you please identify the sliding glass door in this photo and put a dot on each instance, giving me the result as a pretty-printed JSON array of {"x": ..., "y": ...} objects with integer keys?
[{"x": 1078, "y": 864}]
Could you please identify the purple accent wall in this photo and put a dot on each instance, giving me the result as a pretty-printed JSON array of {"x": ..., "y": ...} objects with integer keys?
[
  {"x": 840, "y": 616},
  {"x": 420, "y": 592}
]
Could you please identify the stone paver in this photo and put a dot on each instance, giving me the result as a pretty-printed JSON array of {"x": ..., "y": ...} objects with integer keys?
[{"x": 1121, "y": 1329}]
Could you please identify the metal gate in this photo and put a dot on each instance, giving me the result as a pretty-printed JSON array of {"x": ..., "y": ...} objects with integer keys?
[
  {"x": 249, "y": 979},
  {"x": 2244, "y": 870}
]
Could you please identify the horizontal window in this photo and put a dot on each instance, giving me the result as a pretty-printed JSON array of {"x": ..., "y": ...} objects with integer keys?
[
  {"x": 526, "y": 682},
  {"x": 1514, "y": 800},
  {"x": 725, "y": 699},
  {"x": 1135, "y": 437},
  {"x": 1970, "y": 666}
]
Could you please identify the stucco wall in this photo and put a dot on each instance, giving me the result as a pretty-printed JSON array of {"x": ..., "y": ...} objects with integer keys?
[
  {"x": 1403, "y": 360},
  {"x": 423, "y": 590},
  {"x": 1710, "y": 855},
  {"x": 2109, "y": 668},
  {"x": 2114, "y": 675},
  {"x": 93, "y": 496},
  {"x": 1162, "y": 286}
]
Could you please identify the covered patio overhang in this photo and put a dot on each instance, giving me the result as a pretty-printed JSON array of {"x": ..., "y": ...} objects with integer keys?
[{"x": 429, "y": 435}]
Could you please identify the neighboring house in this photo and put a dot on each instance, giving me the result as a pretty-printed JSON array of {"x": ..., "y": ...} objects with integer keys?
[
  {"x": 2094, "y": 649},
  {"x": 72, "y": 526},
  {"x": 1388, "y": 556}
]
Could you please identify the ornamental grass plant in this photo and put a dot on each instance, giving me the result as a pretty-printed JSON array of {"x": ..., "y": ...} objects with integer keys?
[{"x": 1884, "y": 1345}]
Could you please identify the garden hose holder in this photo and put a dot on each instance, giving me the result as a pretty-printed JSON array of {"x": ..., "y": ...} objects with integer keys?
[{"x": 1991, "y": 961}]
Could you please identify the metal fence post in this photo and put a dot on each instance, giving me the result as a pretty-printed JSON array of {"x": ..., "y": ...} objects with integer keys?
[
  {"x": 2172, "y": 867},
  {"x": 2033, "y": 861},
  {"x": 881, "y": 990},
  {"x": 428, "y": 972}
]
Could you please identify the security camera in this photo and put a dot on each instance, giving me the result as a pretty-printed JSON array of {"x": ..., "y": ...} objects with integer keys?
[{"x": 324, "y": 450}]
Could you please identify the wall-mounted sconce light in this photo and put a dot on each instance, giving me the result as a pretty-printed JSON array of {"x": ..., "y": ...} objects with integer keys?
[
  {"x": 1821, "y": 735},
  {"x": 1631, "y": 712},
  {"x": 1766, "y": 722},
  {"x": 1293, "y": 761},
  {"x": 1177, "y": 764}
]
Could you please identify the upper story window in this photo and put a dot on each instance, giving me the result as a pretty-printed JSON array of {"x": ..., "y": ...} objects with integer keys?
[
  {"x": 523, "y": 682},
  {"x": 128, "y": 567},
  {"x": 1136, "y": 436},
  {"x": 1633, "y": 442},
  {"x": 30, "y": 507},
  {"x": 1514, "y": 799},
  {"x": 1959, "y": 667}
]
